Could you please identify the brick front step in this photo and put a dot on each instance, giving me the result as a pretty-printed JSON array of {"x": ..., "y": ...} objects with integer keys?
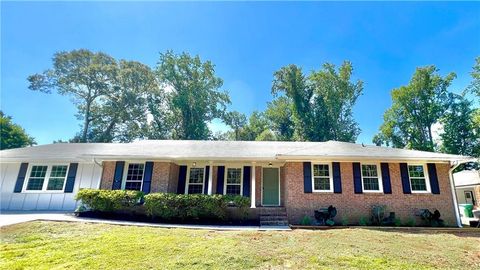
[{"x": 273, "y": 216}]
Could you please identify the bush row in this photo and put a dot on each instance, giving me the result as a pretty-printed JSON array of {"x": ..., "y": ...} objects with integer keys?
[{"x": 167, "y": 206}]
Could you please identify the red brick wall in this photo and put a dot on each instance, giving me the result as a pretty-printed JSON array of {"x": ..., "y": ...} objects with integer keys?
[
  {"x": 353, "y": 206},
  {"x": 161, "y": 177},
  {"x": 108, "y": 172}
]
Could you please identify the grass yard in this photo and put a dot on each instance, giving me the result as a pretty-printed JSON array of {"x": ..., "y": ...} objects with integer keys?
[{"x": 58, "y": 245}]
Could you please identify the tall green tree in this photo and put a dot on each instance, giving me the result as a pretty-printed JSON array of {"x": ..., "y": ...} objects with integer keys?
[
  {"x": 460, "y": 135},
  {"x": 123, "y": 113},
  {"x": 279, "y": 114},
  {"x": 195, "y": 98},
  {"x": 13, "y": 135},
  {"x": 415, "y": 108},
  {"x": 334, "y": 95},
  {"x": 291, "y": 82},
  {"x": 237, "y": 121},
  {"x": 321, "y": 103},
  {"x": 475, "y": 84},
  {"x": 84, "y": 76}
]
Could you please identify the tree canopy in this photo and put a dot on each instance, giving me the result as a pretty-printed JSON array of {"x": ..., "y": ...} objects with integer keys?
[
  {"x": 415, "y": 108},
  {"x": 13, "y": 135}
]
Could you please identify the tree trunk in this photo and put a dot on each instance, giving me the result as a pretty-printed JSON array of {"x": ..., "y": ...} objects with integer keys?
[{"x": 86, "y": 122}]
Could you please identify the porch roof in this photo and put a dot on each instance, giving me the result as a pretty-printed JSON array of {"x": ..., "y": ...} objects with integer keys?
[{"x": 220, "y": 150}]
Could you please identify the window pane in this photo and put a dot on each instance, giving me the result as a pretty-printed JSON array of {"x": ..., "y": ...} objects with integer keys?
[
  {"x": 57, "y": 177},
  {"x": 135, "y": 172},
  {"x": 416, "y": 171},
  {"x": 195, "y": 189},
  {"x": 59, "y": 171},
  {"x": 196, "y": 175},
  {"x": 370, "y": 183},
  {"x": 234, "y": 175},
  {"x": 133, "y": 185},
  {"x": 321, "y": 183},
  {"x": 233, "y": 189},
  {"x": 369, "y": 170},
  {"x": 37, "y": 176},
  {"x": 418, "y": 184},
  {"x": 321, "y": 170}
]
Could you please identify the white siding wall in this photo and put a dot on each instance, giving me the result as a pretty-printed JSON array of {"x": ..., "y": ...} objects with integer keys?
[{"x": 88, "y": 176}]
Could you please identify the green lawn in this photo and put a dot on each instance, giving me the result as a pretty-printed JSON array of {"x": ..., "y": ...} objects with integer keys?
[{"x": 59, "y": 245}]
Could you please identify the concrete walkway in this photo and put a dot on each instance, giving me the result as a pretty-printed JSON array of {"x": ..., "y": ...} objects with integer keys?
[{"x": 10, "y": 218}]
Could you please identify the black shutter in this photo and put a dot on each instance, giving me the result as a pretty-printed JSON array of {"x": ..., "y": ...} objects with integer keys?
[
  {"x": 182, "y": 178},
  {"x": 405, "y": 178},
  {"x": 357, "y": 178},
  {"x": 220, "y": 176},
  {"x": 387, "y": 185},
  {"x": 246, "y": 180},
  {"x": 117, "y": 178},
  {"x": 207, "y": 175},
  {"x": 432, "y": 174},
  {"x": 337, "y": 178},
  {"x": 147, "y": 177},
  {"x": 20, "y": 178},
  {"x": 72, "y": 174},
  {"x": 307, "y": 177}
]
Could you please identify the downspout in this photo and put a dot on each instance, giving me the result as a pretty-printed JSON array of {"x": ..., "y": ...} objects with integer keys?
[
  {"x": 101, "y": 166},
  {"x": 454, "y": 194}
]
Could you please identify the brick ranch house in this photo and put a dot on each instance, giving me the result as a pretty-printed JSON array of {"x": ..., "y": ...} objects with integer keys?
[{"x": 298, "y": 177}]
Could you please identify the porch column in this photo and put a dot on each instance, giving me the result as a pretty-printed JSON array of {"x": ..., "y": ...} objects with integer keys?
[
  {"x": 210, "y": 179},
  {"x": 252, "y": 192}
]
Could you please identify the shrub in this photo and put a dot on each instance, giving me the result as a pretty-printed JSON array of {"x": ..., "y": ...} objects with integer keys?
[
  {"x": 170, "y": 206},
  {"x": 363, "y": 221},
  {"x": 306, "y": 221},
  {"x": 411, "y": 222},
  {"x": 397, "y": 222},
  {"x": 108, "y": 200},
  {"x": 344, "y": 220}
]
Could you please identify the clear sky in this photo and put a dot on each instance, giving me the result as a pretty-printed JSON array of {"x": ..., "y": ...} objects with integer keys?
[{"x": 246, "y": 41}]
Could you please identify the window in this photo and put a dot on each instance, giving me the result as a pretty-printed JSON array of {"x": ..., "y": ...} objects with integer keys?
[
  {"x": 418, "y": 178},
  {"x": 195, "y": 181},
  {"x": 134, "y": 177},
  {"x": 370, "y": 178},
  {"x": 46, "y": 178},
  {"x": 37, "y": 177},
  {"x": 322, "y": 180},
  {"x": 233, "y": 183},
  {"x": 57, "y": 177}
]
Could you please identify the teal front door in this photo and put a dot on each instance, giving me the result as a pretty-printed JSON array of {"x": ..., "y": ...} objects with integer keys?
[{"x": 271, "y": 187}]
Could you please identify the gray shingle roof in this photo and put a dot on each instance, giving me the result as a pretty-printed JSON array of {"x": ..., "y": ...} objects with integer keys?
[{"x": 218, "y": 150}]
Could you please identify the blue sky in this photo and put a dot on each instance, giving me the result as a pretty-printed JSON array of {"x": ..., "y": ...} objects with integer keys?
[{"x": 246, "y": 41}]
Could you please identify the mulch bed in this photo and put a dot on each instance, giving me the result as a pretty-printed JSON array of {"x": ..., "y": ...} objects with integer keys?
[{"x": 144, "y": 218}]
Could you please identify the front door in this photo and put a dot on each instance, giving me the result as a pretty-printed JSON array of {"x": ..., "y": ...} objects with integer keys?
[{"x": 271, "y": 187}]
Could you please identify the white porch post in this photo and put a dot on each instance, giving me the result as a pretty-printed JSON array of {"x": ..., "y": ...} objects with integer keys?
[
  {"x": 210, "y": 179},
  {"x": 252, "y": 192}
]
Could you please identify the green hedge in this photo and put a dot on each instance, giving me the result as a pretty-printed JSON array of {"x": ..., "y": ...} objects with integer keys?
[
  {"x": 187, "y": 207},
  {"x": 167, "y": 206},
  {"x": 109, "y": 200}
]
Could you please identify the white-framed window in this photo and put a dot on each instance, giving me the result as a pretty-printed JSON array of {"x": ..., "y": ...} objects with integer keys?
[
  {"x": 322, "y": 178},
  {"x": 371, "y": 178},
  {"x": 133, "y": 176},
  {"x": 195, "y": 181},
  {"x": 233, "y": 181},
  {"x": 49, "y": 178},
  {"x": 418, "y": 176}
]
